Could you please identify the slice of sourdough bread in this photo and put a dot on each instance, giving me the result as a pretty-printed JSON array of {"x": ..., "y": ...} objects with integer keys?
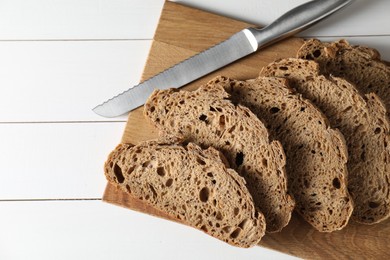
[
  {"x": 360, "y": 65},
  {"x": 316, "y": 154},
  {"x": 362, "y": 120},
  {"x": 208, "y": 118},
  {"x": 190, "y": 184}
]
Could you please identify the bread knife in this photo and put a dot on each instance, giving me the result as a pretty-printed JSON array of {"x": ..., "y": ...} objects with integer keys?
[{"x": 236, "y": 47}]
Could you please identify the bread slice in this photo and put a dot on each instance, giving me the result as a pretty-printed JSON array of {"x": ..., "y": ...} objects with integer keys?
[
  {"x": 316, "y": 154},
  {"x": 190, "y": 184},
  {"x": 362, "y": 120},
  {"x": 208, "y": 118},
  {"x": 360, "y": 65}
]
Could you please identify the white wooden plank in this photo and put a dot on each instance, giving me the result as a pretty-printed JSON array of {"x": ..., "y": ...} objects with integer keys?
[
  {"x": 360, "y": 18},
  {"x": 64, "y": 80},
  {"x": 95, "y": 230},
  {"x": 78, "y": 19},
  {"x": 64, "y": 160},
  {"x": 137, "y": 19}
]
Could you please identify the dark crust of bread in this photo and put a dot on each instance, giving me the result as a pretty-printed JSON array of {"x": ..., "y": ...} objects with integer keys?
[
  {"x": 316, "y": 154},
  {"x": 191, "y": 185},
  {"x": 362, "y": 120},
  {"x": 208, "y": 118}
]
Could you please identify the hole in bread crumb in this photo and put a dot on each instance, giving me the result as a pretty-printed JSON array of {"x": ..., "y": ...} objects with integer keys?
[
  {"x": 212, "y": 109},
  {"x": 222, "y": 120},
  {"x": 200, "y": 161},
  {"x": 145, "y": 164},
  {"x": 373, "y": 204},
  {"x": 210, "y": 174},
  {"x": 161, "y": 171},
  {"x": 204, "y": 194},
  {"x": 219, "y": 216},
  {"x": 226, "y": 229},
  {"x": 377, "y": 130},
  {"x": 118, "y": 174},
  {"x": 274, "y": 110},
  {"x": 283, "y": 68},
  {"x": 316, "y": 53},
  {"x": 203, "y": 117},
  {"x": 239, "y": 158},
  {"x": 265, "y": 162},
  {"x": 336, "y": 183},
  {"x": 130, "y": 170},
  {"x": 169, "y": 183},
  {"x": 242, "y": 224},
  {"x": 152, "y": 109},
  {"x": 128, "y": 188},
  {"x": 204, "y": 228},
  {"x": 236, "y": 211},
  {"x": 235, "y": 233},
  {"x": 153, "y": 191}
]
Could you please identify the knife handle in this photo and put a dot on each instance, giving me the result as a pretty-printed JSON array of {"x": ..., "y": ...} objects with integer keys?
[{"x": 296, "y": 20}]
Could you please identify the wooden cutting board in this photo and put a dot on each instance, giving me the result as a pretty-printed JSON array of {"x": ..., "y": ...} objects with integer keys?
[{"x": 183, "y": 32}]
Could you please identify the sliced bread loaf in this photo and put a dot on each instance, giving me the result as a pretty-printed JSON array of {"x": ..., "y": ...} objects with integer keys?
[
  {"x": 190, "y": 184},
  {"x": 362, "y": 120},
  {"x": 316, "y": 154},
  {"x": 207, "y": 117},
  {"x": 360, "y": 65}
]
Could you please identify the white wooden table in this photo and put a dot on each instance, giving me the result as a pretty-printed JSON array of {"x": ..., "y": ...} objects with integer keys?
[{"x": 58, "y": 59}]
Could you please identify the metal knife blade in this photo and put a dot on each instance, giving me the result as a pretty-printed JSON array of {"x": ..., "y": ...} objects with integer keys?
[{"x": 236, "y": 47}]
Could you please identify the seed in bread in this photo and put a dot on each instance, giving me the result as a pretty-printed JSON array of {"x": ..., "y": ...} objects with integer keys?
[
  {"x": 360, "y": 65},
  {"x": 316, "y": 154},
  {"x": 207, "y": 117},
  {"x": 363, "y": 122},
  {"x": 191, "y": 185}
]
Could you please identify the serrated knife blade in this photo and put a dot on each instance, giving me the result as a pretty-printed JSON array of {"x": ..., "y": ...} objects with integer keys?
[{"x": 236, "y": 47}]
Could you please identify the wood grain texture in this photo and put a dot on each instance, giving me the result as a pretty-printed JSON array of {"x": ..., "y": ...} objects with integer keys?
[{"x": 182, "y": 32}]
